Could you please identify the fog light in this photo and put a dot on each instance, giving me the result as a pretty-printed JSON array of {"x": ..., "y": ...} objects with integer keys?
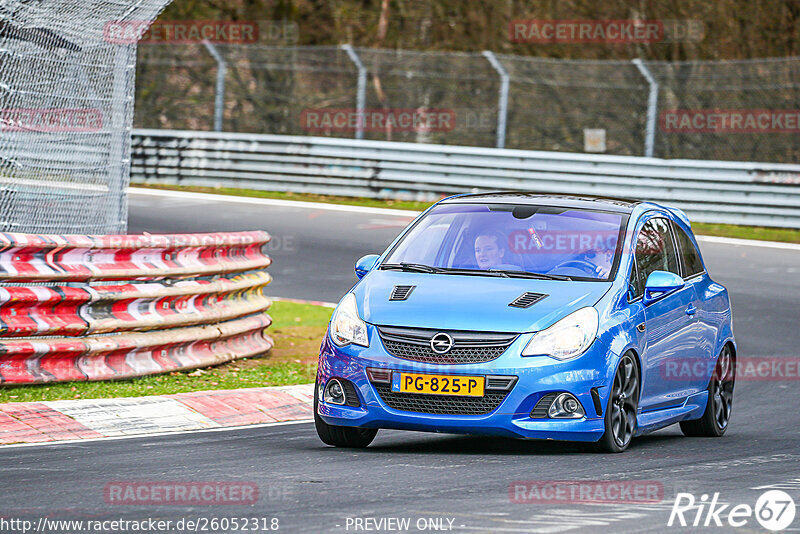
[
  {"x": 334, "y": 393},
  {"x": 566, "y": 406}
]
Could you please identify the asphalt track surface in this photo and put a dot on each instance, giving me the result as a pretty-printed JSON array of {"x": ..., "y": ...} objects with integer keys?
[{"x": 462, "y": 481}]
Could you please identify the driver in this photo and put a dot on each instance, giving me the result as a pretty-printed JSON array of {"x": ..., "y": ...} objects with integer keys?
[
  {"x": 601, "y": 259},
  {"x": 489, "y": 250}
]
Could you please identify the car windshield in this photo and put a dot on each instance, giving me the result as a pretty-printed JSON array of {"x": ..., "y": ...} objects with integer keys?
[{"x": 512, "y": 240}]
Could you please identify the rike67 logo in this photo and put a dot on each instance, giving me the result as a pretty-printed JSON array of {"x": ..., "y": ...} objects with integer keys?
[{"x": 774, "y": 510}]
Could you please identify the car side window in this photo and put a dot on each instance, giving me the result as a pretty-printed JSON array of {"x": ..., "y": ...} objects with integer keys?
[
  {"x": 655, "y": 251},
  {"x": 690, "y": 257},
  {"x": 634, "y": 291}
]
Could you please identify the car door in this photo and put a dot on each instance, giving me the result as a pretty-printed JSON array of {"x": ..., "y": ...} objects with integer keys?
[
  {"x": 668, "y": 322},
  {"x": 704, "y": 330}
]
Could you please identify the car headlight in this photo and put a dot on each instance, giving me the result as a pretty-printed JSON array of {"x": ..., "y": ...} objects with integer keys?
[
  {"x": 567, "y": 338},
  {"x": 346, "y": 326}
]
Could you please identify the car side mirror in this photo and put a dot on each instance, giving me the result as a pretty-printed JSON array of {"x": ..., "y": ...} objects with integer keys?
[
  {"x": 365, "y": 265},
  {"x": 659, "y": 284}
]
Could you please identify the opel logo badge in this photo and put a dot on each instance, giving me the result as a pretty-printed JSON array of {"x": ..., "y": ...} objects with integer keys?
[{"x": 441, "y": 343}]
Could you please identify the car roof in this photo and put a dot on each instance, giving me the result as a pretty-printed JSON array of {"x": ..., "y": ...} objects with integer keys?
[{"x": 548, "y": 199}]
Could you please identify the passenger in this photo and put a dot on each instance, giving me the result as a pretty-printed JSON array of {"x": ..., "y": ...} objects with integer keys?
[{"x": 490, "y": 250}]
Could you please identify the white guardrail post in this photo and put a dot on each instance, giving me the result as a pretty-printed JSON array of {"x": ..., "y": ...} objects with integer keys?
[
  {"x": 652, "y": 107},
  {"x": 219, "y": 92},
  {"x": 361, "y": 88},
  {"x": 502, "y": 103}
]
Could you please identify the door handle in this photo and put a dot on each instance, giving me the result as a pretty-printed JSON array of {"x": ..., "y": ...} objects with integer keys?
[{"x": 691, "y": 310}]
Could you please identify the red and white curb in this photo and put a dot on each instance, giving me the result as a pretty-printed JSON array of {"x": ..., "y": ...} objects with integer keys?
[{"x": 41, "y": 422}]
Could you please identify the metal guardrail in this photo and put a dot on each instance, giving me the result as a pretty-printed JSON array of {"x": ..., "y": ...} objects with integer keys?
[
  {"x": 759, "y": 194},
  {"x": 178, "y": 302}
]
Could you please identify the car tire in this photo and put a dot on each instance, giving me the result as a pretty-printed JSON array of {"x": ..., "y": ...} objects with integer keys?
[
  {"x": 341, "y": 436},
  {"x": 715, "y": 418},
  {"x": 623, "y": 404}
]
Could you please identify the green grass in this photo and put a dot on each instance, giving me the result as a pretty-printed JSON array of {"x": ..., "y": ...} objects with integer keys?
[
  {"x": 786, "y": 235},
  {"x": 290, "y": 314},
  {"x": 297, "y": 330}
]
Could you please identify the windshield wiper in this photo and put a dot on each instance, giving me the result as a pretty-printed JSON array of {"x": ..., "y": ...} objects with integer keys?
[
  {"x": 410, "y": 267},
  {"x": 470, "y": 272},
  {"x": 422, "y": 268},
  {"x": 525, "y": 274},
  {"x": 499, "y": 273}
]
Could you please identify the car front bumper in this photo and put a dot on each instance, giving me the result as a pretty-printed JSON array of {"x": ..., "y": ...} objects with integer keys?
[{"x": 536, "y": 377}]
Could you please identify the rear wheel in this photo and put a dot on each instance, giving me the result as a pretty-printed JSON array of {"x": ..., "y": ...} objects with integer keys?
[
  {"x": 715, "y": 418},
  {"x": 341, "y": 436},
  {"x": 620, "y": 418}
]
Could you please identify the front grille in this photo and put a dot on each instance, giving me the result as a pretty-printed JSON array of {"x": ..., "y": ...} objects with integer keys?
[
  {"x": 468, "y": 347},
  {"x": 440, "y": 404}
]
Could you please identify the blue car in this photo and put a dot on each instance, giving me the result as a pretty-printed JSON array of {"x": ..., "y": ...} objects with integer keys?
[{"x": 531, "y": 316}]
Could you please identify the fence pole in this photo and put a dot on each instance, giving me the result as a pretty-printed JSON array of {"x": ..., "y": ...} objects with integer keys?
[
  {"x": 119, "y": 156},
  {"x": 652, "y": 107},
  {"x": 361, "y": 89},
  {"x": 219, "y": 93},
  {"x": 502, "y": 104}
]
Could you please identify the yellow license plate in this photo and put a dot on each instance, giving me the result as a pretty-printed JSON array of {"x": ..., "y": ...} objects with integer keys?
[{"x": 468, "y": 386}]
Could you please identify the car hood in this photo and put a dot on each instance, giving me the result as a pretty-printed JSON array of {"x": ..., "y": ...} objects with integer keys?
[{"x": 457, "y": 302}]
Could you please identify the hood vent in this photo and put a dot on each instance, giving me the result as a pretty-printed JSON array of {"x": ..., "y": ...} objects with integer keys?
[
  {"x": 526, "y": 300},
  {"x": 401, "y": 292}
]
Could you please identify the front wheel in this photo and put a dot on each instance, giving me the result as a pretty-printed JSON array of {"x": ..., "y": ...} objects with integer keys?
[
  {"x": 620, "y": 417},
  {"x": 341, "y": 436},
  {"x": 715, "y": 418}
]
